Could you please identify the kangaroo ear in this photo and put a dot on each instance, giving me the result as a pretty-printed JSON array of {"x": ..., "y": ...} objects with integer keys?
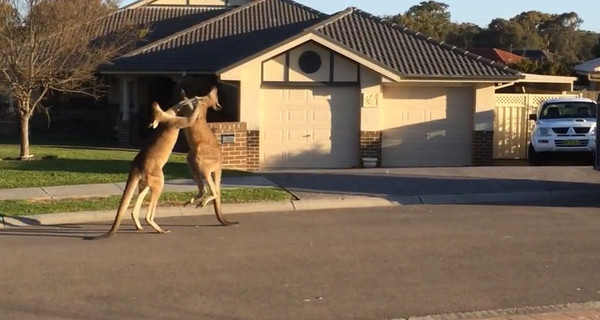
[
  {"x": 214, "y": 96},
  {"x": 155, "y": 113}
]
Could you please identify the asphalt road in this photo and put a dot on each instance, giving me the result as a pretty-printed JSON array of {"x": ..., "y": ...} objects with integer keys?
[{"x": 338, "y": 264}]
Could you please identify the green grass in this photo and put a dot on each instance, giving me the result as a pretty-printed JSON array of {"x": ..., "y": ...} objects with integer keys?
[
  {"x": 13, "y": 208},
  {"x": 72, "y": 166}
]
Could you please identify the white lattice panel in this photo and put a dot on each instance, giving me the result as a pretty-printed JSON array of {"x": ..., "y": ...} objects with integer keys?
[{"x": 512, "y": 125}]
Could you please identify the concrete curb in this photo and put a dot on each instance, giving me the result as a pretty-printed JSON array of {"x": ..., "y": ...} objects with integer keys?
[{"x": 340, "y": 202}]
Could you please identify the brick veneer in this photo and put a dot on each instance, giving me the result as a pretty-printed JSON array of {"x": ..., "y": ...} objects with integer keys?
[
  {"x": 370, "y": 145},
  {"x": 483, "y": 148},
  {"x": 235, "y": 154},
  {"x": 253, "y": 147}
]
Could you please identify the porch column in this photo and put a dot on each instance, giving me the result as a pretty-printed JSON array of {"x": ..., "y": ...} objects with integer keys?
[
  {"x": 124, "y": 105},
  {"x": 123, "y": 127},
  {"x": 11, "y": 104}
]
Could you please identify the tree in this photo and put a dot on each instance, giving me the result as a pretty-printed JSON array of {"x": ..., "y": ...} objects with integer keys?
[
  {"x": 562, "y": 36},
  {"x": 431, "y": 18},
  {"x": 464, "y": 35},
  {"x": 55, "y": 45}
]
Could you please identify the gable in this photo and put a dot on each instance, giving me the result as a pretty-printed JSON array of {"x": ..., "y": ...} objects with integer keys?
[{"x": 309, "y": 62}]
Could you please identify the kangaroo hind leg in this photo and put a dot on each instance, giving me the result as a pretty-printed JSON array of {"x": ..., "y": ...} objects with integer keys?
[{"x": 156, "y": 188}]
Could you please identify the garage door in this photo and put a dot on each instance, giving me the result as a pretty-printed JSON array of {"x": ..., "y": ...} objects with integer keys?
[
  {"x": 427, "y": 127},
  {"x": 310, "y": 128}
]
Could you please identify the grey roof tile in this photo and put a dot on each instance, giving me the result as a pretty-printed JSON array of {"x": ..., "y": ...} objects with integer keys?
[
  {"x": 409, "y": 53},
  {"x": 217, "y": 39},
  {"x": 224, "y": 40}
]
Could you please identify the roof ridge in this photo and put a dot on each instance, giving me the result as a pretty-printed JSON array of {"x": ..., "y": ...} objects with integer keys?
[
  {"x": 433, "y": 41},
  {"x": 194, "y": 27},
  {"x": 305, "y": 7},
  {"x": 332, "y": 18}
]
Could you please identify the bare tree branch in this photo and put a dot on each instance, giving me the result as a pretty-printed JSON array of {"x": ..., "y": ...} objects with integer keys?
[{"x": 56, "y": 45}]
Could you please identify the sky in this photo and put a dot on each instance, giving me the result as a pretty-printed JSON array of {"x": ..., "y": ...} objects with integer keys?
[{"x": 480, "y": 12}]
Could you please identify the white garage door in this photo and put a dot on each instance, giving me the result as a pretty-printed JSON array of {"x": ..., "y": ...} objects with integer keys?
[
  {"x": 427, "y": 127},
  {"x": 310, "y": 128}
]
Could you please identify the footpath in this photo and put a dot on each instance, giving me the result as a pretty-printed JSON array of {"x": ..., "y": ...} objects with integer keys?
[{"x": 348, "y": 188}]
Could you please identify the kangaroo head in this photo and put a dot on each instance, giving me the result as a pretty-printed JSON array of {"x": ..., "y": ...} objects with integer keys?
[{"x": 214, "y": 98}]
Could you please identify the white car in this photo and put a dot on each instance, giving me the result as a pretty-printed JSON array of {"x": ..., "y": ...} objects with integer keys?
[{"x": 563, "y": 125}]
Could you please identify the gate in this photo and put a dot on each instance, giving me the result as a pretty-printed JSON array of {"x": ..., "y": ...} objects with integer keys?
[{"x": 512, "y": 125}]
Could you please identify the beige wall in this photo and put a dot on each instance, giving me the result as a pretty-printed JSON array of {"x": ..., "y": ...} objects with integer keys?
[
  {"x": 485, "y": 101},
  {"x": 250, "y": 95},
  {"x": 274, "y": 69},
  {"x": 372, "y": 100}
]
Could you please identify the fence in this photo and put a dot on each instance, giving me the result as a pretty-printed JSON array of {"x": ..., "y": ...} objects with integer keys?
[{"x": 512, "y": 125}]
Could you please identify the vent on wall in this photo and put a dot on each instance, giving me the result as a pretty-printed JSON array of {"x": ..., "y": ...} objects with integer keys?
[{"x": 309, "y": 62}]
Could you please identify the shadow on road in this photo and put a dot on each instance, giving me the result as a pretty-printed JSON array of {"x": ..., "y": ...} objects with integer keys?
[{"x": 489, "y": 190}]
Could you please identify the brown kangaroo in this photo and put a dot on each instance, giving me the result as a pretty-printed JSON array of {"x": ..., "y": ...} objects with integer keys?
[
  {"x": 204, "y": 158},
  {"x": 146, "y": 169}
]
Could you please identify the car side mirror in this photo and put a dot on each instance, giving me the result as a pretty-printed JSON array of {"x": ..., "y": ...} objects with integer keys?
[{"x": 533, "y": 117}]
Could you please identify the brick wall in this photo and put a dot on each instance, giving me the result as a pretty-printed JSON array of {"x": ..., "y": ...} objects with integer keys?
[
  {"x": 370, "y": 145},
  {"x": 483, "y": 148},
  {"x": 233, "y": 138},
  {"x": 253, "y": 149}
]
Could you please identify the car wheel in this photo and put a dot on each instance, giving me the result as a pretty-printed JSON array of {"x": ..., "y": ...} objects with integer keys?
[{"x": 534, "y": 158}]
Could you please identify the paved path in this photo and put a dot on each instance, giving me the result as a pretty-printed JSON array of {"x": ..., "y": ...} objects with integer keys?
[{"x": 352, "y": 188}]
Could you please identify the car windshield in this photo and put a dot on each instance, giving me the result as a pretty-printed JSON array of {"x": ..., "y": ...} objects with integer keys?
[{"x": 562, "y": 110}]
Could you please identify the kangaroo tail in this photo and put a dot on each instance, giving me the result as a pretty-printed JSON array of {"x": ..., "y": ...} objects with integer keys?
[{"x": 130, "y": 187}]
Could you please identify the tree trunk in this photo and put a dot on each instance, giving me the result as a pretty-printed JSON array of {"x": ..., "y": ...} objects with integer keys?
[{"x": 25, "y": 137}]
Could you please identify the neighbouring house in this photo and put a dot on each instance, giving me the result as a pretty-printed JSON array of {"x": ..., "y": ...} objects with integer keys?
[
  {"x": 591, "y": 70},
  {"x": 303, "y": 89},
  {"x": 538, "y": 55},
  {"x": 497, "y": 55}
]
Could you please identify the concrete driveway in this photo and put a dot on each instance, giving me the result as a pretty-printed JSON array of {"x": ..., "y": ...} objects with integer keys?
[{"x": 404, "y": 182}]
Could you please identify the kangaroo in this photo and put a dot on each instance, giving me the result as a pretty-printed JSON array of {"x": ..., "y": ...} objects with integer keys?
[
  {"x": 204, "y": 158},
  {"x": 146, "y": 169}
]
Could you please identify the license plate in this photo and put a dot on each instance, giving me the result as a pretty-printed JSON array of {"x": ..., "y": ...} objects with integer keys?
[{"x": 571, "y": 142}]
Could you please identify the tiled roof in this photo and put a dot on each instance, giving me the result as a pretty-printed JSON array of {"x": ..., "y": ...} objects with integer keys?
[
  {"x": 223, "y": 40},
  {"x": 535, "y": 54},
  {"x": 498, "y": 55},
  {"x": 162, "y": 21},
  {"x": 409, "y": 53}
]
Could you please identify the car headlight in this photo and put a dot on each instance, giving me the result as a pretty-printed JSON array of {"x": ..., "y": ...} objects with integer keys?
[
  {"x": 543, "y": 131},
  {"x": 593, "y": 130}
]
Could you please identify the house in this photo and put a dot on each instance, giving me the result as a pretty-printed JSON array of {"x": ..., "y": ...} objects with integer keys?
[
  {"x": 591, "y": 70},
  {"x": 497, "y": 55},
  {"x": 303, "y": 89},
  {"x": 538, "y": 55}
]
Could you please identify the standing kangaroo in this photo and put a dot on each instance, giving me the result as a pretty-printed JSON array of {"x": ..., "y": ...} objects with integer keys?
[
  {"x": 204, "y": 158},
  {"x": 146, "y": 169}
]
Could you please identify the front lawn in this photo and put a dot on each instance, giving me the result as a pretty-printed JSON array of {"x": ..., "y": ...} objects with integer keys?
[{"x": 72, "y": 166}]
